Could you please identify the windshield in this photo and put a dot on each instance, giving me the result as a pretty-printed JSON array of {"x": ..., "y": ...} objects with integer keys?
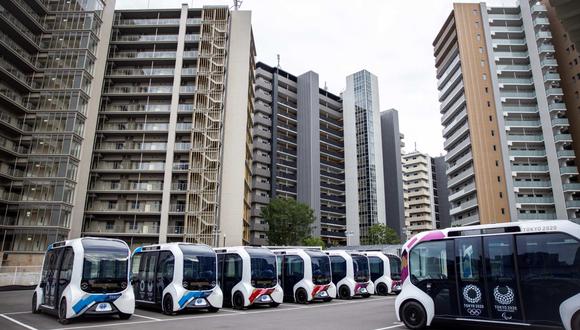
[
  {"x": 263, "y": 265},
  {"x": 395, "y": 264},
  {"x": 199, "y": 267},
  {"x": 105, "y": 266},
  {"x": 320, "y": 268},
  {"x": 361, "y": 268}
]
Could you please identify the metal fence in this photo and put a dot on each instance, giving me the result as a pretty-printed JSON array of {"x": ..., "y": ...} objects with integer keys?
[{"x": 19, "y": 276}]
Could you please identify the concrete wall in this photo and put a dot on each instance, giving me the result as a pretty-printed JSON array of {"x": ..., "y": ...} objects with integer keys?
[
  {"x": 350, "y": 160},
  {"x": 442, "y": 191}
]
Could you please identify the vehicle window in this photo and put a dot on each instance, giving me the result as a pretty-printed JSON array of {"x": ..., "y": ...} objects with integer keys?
[
  {"x": 395, "y": 265},
  {"x": 338, "y": 267},
  {"x": 135, "y": 262},
  {"x": 105, "y": 266},
  {"x": 469, "y": 253},
  {"x": 549, "y": 265},
  {"x": 294, "y": 266},
  {"x": 67, "y": 264},
  {"x": 360, "y": 268},
  {"x": 233, "y": 267},
  {"x": 199, "y": 264},
  {"x": 377, "y": 267},
  {"x": 320, "y": 268},
  {"x": 166, "y": 265},
  {"x": 263, "y": 270},
  {"x": 428, "y": 261},
  {"x": 47, "y": 269}
]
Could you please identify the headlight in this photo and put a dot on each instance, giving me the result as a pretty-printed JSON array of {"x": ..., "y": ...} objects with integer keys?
[
  {"x": 253, "y": 283},
  {"x": 213, "y": 283},
  {"x": 84, "y": 286},
  {"x": 184, "y": 284},
  {"x": 123, "y": 285}
]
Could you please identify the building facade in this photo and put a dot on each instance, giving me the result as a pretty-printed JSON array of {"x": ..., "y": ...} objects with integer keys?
[
  {"x": 51, "y": 59},
  {"x": 441, "y": 193},
  {"x": 392, "y": 143},
  {"x": 363, "y": 146},
  {"x": 509, "y": 151},
  {"x": 298, "y": 150},
  {"x": 420, "y": 208},
  {"x": 173, "y": 147}
]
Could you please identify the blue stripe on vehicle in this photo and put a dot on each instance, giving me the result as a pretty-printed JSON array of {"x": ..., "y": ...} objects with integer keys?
[
  {"x": 137, "y": 250},
  {"x": 88, "y": 300},
  {"x": 192, "y": 295}
]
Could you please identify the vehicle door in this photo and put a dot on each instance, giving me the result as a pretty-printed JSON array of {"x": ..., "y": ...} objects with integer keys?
[
  {"x": 473, "y": 302},
  {"x": 50, "y": 277},
  {"x": 66, "y": 268},
  {"x": 148, "y": 278},
  {"x": 164, "y": 273},
  {"x": 232, "y": 274},
  {"x": 294, "y": 273},
  {"x": 137, "y": 270}
]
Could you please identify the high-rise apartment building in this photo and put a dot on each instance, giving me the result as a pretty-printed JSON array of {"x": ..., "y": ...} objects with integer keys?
[
  {"x": 568, "y": 56},
  {"x": 441, "y": 193},
  {"x": 363, "y": 146},
  {"x": 420, "y": 207},
  {"x": 298, "y": 150},
  {"x": 392, "y": 143},
  {"x": 509, "y": 151},
  {"x": 51, "y": 59},
  {"x": 173, "y": 147}
]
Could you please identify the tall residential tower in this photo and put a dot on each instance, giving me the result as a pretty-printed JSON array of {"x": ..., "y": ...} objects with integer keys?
[
  {"x": 299, "y": 150},
  {"x": 363, "y": 146},
  {"x": 509, "y": 150},
  {"x": 52, "y": 59}
]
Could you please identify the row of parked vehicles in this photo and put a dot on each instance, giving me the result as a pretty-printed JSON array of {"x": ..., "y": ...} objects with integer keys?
[{"x": 100, "y": 276}]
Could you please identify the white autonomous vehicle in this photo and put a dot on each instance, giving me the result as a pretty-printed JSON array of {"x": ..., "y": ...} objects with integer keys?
[
  {"x": 350, "y": 274},
  {"x": 305, "y": 275},
  {"x": 176, "y": 276},
  {"x": 85, "y": 276},
  {"x": 248, "y": 276},
  {"x": 384, "y": 279},
  {"x": 520, "y": 273}
]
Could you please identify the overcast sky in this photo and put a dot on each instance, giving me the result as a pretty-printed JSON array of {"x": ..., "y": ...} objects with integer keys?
[{"x": 335, "y": 38}]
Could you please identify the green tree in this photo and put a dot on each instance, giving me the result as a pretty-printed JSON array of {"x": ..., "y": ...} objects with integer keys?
[
  {"x": 381, "y": 234},
  {"x": 313, "y": 241},
  {"x": 288, "y": 221}
]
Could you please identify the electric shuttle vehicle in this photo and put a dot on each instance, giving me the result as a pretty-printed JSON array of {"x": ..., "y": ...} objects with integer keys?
[
  {"x": 248, "y": 276},
  {"x": 305, "y": 275},
  {"x": 385, "y": 281},
  {"x": 85, "y": 276},
  {"x": 176, "y": 276},
  {"x": 350, "y": 274},
  {"x": 519, "y": 273}
]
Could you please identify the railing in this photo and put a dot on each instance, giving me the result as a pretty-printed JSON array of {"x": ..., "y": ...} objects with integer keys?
[
  {"x": 158, "y": 166},
  {"x": 139, "y": 90},
  {"x": 569, "y": 170},
  {"x": 138, "y": 107},
  {"x": 123, "y": 229},
  {"x": 16, "y": 48},
  {"x": 533, "y": 184},
  {"x": 142, "y": 72},
  {"x": 565, "y": 153},
  {"x": 145, "y": 37},
  {"x": 126, "y": 207},
  {"x": 135, "y": 127},
  {"x": 528, "y": 153},
  {"x": 148, "y": 21},
  {"x": 535, "y": 200},
  {"x": 529, "y": 168},
  {"x": 8, "y": 16},
  {"x": 143, "y": 55},
  {"x": 19, "y": 275},
  {"x": 562, "y": 137},
  {"x": 15, "y": 72}
]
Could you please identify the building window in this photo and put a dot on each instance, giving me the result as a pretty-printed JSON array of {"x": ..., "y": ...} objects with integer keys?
[
  {"x": 492, "y": 133},
  {"x": 484, "y": 76},
  {"x": 494, "y": 148},
  {"x": 490, "y": 118},
  {"x": 502, "y": 210},
  {"x": 499, "y": 179}
]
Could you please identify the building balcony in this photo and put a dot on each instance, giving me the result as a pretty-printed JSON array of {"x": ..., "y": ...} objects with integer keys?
[
  {"x": 338, "y": 234},
  {"x": 146, "y": 22},
  {"x": 125, "y": 208},
  {"x": 145, "y": 38},
  {"x": 523, "y": 123},
  {"x": 537, "y": 216},
  {"x": 544, "y": 48},
  {"x": 518, "y": 96},
  {"x": 535, "y": 200},
  {"x": 102, "y": 229},
  {"x": 468, "y": 189},
  {"x": 458, "y": 149},
  {"x": 530, "y": 168},
  {"x": 519, "y": 109},
  {"x": 543, "y": 35},
  {"x": 551, "y": 77},
  {"x": 466, "y": 221},
  {"x": 571, "y": 187},
  {"x": 515, "y": 82},
  {"x": 525, "y": 138},
  {"x": 512, "y": 68},
  {"x": 557, "y": 106},
  {"x": 573, "y": 204},
  {"x": 123, "y": 90},
  {"x": 132, "y": 72},
  {"x": 560, "y": 122},
  {"x": 527, "y": 153},
  {"x": 532, "y": 184},
  {"x": 464, "y": 206},
  {"x": 145, "y": 55},
  {"x": 568, "y": 170},
  {"x": 463, "y": 176},
  {"x": 563, "y": 138},
  {"x": 508, "y": 42},
  {"x": 566, "y": 154}
]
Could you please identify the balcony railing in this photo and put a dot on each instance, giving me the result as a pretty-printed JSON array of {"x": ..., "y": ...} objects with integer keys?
[
  {"x": 145, "y": 37},
  {"x": 142, "y": 72},
  {"x": 138, "y": 108},
  {"x": 138, "y": 90},
  {"x": 143, "y": 55},
  {"x": 148, "y": 21}
]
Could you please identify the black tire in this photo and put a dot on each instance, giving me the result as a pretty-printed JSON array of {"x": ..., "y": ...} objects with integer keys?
[
  {"x": 344, "y": 292},
  {"x": 213, "y": 309},
  {"x": 274, "y": 304},
  {"x": 35, "y": 309},
  {"x": 575, "y": 325},
  {"x": 413, "y": 315},
  {"x": 167, "y": 305},
  {"x": 366, "y": 295},
  {"x": 301, "y": 296},
  {"x": 62, "y": 312},
  {"x": 124, "y": 316},
  {"x": 238, "y": 300},
  {"x": 382, "y": 289}
]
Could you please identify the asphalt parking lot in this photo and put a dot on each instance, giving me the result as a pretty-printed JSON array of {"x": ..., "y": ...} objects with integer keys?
[{"x": 374, "y": 313}]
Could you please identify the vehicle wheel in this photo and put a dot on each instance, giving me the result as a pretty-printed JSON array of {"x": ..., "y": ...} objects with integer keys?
[
  {"x": 124, "y": 316},
  {"x": 382, "y": 289},
  {"x": 62, "y": 312},
  {"x": 576, "y": 321},
  {"x": 301, "y": 296},
  {"x": 344, "y": 292},
  {"x": 35, "y": 309},
  {"x": 366, "y": 295},
  {"x": 238, "y": 300},
  {"x": 213, "y": 309},
  {"x": 413, "y": 315},
  {"x": 274, "y": 304},
  {"x": 168, "y": 305}
]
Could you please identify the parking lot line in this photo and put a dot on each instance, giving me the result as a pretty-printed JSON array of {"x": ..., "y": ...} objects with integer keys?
[
  {"x": 15, "y": 313},
  {"x": 147, "y": 317},
  {"x": 397, "y": 325},
  {"x": 231, "y": 313},
  {"x": 17, "y": 322}
]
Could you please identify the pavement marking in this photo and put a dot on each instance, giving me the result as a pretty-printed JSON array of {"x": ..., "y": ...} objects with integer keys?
[
  {"x": 18, "y": 322},
  {"x": 147, "y": 317},
  {"x": 397, "y": 325},
  {"x": 232, "y": 313},
  {"x": 14, "y": 313}
]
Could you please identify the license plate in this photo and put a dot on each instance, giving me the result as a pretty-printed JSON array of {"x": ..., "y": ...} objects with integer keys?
[
  {"x": 104, "y": 307},
  {"x": 265, "y": 298}
]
